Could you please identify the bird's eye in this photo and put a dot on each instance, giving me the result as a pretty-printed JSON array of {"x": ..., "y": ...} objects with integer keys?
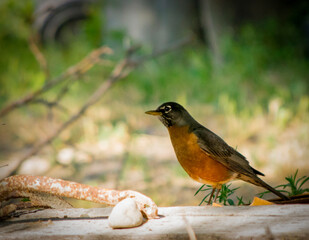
[{"x": 167, "y": 109}]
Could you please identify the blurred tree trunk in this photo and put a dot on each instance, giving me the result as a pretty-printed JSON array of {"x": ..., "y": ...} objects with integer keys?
[
  {"x": 212, "y": 22},
  {"x": 157, "y": 23}
]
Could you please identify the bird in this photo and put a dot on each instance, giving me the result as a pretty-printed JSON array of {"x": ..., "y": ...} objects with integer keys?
[{"x": 205, "y": 156}]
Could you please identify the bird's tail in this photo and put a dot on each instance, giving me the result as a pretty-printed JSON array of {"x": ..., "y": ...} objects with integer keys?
[
  {"x": 279, "y": 194},
  {"x": 259, "y": 182}
]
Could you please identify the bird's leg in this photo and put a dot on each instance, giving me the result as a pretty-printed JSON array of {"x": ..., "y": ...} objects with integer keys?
[
  {"x": 218, "y": 190},
  {"x": 211, "y": 195}
]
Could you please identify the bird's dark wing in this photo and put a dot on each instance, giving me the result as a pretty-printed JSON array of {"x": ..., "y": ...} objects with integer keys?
[{"x": 219, "y": 150}]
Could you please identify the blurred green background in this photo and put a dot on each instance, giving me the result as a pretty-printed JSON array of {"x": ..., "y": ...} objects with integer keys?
[{"x": 256, "y": 99}]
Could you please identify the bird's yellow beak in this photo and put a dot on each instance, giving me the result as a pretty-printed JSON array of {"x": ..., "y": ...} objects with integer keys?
[{"x": 154, "y": 113}]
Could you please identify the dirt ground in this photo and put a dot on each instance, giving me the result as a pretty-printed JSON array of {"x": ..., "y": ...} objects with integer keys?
[{"x": 107, "y": 149}]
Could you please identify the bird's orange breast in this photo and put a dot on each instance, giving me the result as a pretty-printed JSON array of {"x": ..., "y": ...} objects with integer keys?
[{"x": 200, "y": 166}]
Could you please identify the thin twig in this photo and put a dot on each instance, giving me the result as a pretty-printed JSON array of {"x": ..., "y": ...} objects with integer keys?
[
  {"x": 50, "y": 104},
  {"x": 39, "y": 56},
  {"x": 63, "y": 91},
  {"x": 80, "y": 68},
  {"x": 189, "y": 229},
  {"x": 55, "y": 103},
  {"x": 120, "y": 71}
]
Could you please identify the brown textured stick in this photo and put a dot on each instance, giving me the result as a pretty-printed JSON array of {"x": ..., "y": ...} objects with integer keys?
[{"x": 61, "y": 188}]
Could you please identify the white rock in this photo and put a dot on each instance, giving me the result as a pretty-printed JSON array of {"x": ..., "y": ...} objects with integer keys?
[
  {"x": 66, "y": 156},
  {"x": 35, "y": 165},
  {"x": 125, "y": 215}
]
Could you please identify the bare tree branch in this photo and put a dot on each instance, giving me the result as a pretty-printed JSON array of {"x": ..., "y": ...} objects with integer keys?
[
  {"x": 50, "y": 104},
  {"x": 38, "y": 55},
  {"x": 120, "y": 71},
  {"x": 80, "y": 68}
]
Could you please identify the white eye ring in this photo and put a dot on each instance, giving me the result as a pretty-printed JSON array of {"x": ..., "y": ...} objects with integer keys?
[{"x": 167, "y": 109}]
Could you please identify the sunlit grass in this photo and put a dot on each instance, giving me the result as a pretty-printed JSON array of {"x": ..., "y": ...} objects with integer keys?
[
  {"x": 294, "y": 186},
  {"x": 223, "y": 196}
]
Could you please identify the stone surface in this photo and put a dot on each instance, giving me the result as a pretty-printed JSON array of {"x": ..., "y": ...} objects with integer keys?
[
  {"x": 66, "y": 156},
  {"x": 35, "y": 166},
  {"x": 243, "y": 222},
  {"x": 125, "y": 215}
]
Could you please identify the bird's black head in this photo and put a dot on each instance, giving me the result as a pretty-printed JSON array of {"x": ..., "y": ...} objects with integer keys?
[{"x": 171, "y": 113}]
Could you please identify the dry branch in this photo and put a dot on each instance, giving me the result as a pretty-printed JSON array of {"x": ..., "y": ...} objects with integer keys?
[
  {"x": 121, "y": 70},
  {"x": 39, "y": 56},
  {"x": 80, "y": 68},
  {"x": 20, "y": 185},
  {"x": 48, "y": 104}
]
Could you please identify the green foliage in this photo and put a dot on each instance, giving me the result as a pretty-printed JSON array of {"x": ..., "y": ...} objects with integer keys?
[
  {"x": 25, "y": 199},
  {"x": 201, "y": 189},
  {"x": 17, "y": 65},
  {"x": 292, "y": 187},
  {"x": 223, "y": 196},
  {"x": 263, "y": 62},
  {"x": 19, "y": 71},
  {"x": 241, "y": 202},
  {"x": 254, "y": 71}
]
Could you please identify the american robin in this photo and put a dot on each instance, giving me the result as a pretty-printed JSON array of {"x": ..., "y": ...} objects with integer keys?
[{"x": 206, "y": 157}]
